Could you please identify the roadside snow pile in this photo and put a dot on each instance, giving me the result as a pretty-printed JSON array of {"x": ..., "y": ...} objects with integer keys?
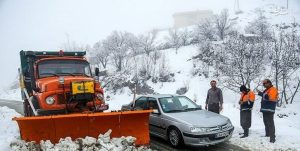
[
  {"x": 103, "y": 143},
  {"x": 9, "y": 129}
]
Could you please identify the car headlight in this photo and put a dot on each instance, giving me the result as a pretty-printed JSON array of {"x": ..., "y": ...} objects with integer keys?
[
  {"x": 199, "y": 129},
  {"x": 229, "y": 124},
  {"x": 50, "y": 100}
]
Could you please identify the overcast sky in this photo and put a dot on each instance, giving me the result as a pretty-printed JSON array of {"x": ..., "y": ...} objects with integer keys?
[{"x": 46, "y": 24}]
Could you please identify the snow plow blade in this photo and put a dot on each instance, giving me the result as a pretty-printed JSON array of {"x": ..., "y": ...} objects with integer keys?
[{"x": 127, "y": 123}]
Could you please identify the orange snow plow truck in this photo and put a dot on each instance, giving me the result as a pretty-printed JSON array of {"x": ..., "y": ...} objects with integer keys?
[{"x": 62, "y": 98}]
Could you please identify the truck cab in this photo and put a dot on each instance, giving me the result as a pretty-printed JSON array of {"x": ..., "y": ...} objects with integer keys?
[{"x": 59, "y": 83}]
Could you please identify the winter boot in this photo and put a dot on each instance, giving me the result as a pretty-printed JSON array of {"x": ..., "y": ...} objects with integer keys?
[
  {"x": 246, "y": 132},
  {"x": 272, "y": 140}
]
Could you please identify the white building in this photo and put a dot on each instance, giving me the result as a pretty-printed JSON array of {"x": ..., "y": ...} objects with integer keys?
[{"x": 184, "y": 19}]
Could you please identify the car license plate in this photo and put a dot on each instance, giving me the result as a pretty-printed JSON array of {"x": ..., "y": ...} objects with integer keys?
[{"x": 223, "y": 134}]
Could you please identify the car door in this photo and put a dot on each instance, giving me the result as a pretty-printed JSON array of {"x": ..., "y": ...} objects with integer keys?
[
  {"x": 156, "y": 124},
  {"x": 140, "y": 103}
]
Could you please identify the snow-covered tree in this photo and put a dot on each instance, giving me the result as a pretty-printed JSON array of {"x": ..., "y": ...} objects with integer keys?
[
  {"x": 147, "y": 41},
  {"x": 206, "y": 55},
  {"x": 241, "y": 61},
  {"x": 259, "y": 26},
  {"x": 205, "y": 30},
  {"x": 284, "y": 58},
  {"x": 134, "y": 44},
  {"x": 146, "y": 67},
  {"x": 185, "y": 37},
  {"x": 163, "y": 71},
  {"x": 174, "y": 39},
  {"x": 223, "y": 24},
  {"x": 117, "y": 44},
  {"x": 100, "y": 54}
]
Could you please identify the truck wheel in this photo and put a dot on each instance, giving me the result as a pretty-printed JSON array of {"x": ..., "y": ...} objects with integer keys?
[{"x": 174, "y": 137}]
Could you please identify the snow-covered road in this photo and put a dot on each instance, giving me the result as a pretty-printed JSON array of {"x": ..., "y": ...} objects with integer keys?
[{"x": 16, "y": 105}]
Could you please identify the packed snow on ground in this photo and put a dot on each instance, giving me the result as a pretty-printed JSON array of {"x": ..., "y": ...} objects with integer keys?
[{"x": 9, "y": 130}]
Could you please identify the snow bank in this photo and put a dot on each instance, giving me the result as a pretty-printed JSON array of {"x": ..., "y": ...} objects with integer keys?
[
  {"x": 102, "y": 143},
  {"x": 8, "y": 129}
]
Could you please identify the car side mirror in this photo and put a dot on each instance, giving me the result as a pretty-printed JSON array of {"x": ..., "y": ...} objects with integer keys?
[
  {"x": 155, "y": 111},
  {"x": 97, "y": 71}
]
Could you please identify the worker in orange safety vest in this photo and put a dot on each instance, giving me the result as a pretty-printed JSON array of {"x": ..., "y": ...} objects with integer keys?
[
  {"x": 268, "y": 106},
  {"x": 246, "y": 104}
]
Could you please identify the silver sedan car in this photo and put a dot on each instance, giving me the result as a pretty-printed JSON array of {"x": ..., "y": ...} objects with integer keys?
[{"x": 180, "y": 121}]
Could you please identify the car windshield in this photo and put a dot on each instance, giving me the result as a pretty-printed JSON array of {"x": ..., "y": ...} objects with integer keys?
[
  {"x": 177, "y": 104},
  {"x": 63, "y": 67}
]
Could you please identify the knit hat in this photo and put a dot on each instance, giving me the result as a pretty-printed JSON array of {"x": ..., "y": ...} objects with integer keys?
[{"x": 243, "y": 88}]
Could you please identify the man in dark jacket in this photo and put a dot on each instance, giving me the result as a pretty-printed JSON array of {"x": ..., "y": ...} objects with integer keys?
[
  {"x": 268, "y": 105},
  {"x": 246, "y": 102},
  {"x": 214, "y": 99}
]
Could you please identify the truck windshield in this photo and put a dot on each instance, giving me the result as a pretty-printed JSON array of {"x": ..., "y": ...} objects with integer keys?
[{"x": 63, "y": 67}]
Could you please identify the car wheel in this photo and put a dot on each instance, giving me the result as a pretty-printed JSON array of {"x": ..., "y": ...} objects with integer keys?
[{"x": 175, "y": 138}]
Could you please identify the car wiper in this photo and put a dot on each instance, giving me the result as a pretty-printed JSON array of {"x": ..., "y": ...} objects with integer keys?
[
  {"x": 68, "y": 74},
  {"x": 192, "y": 109},
  {"x": 83, "y": 74},
  {"x": 174, "y": 111},
  {"x": 50, "y": 74}
]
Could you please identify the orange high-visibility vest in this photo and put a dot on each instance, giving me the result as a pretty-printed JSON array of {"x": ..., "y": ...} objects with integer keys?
[{"x": 250, "y": 96}]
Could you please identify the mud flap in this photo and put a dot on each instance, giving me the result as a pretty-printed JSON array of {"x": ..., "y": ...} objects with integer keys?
[{"x": 129, "y": 123}]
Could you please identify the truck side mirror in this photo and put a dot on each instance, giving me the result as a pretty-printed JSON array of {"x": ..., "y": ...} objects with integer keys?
[
  {"x": 102, "y": 84},
  {"x": 97, "y": 71}
]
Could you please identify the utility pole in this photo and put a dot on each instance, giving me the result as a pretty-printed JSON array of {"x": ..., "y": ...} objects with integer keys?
[
  {"x": 237, "y": 7},
  {"x": 287, "y": 4}
]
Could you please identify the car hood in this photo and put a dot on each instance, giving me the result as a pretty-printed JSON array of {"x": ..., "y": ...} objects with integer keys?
[{"x": 201, "y": 118}]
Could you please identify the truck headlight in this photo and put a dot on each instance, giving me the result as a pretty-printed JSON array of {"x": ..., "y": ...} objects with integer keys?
[
  {"x": 199, "y": 129},
  {"x": 50, "y": 100}
]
